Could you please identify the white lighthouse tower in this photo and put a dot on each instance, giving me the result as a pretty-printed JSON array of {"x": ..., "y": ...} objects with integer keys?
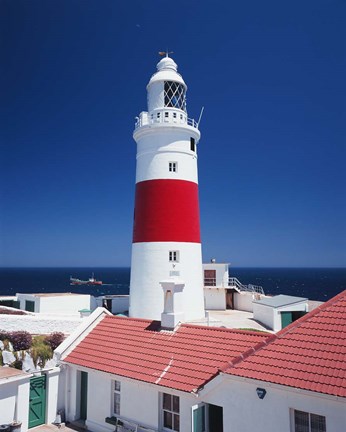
[{"x": 166, "y": 233}]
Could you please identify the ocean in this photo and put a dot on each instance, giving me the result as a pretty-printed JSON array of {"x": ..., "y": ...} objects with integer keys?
[{"x": 314, "y": 283}]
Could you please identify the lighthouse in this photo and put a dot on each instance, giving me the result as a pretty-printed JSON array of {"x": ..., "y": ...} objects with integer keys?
[{"x": 166, "y": 244}]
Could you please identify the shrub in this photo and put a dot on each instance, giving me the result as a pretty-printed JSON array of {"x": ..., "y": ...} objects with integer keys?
[
  {"x": 21, "y": 340},
  {"x": 55, "y": 339},
  {"x": 4, "y": 335},
  {"x": 40, "y": 351}
]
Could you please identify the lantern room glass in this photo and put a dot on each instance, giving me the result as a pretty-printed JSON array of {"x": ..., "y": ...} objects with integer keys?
[{"x": 175, "y": 96}]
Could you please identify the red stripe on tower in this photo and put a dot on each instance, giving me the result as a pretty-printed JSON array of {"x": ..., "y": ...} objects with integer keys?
[{"x": 166, "y": 210}]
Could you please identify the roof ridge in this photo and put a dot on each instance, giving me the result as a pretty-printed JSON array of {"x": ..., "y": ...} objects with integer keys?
[{"x": 248, "y": 352}]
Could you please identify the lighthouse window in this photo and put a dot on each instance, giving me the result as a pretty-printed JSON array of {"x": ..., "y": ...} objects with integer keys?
[
  {"x": 175, "y": 95},
  {"x": 192, "y": 144},
  {"x": 173, "y": 256},
  {"x": 172, "y": 166},
  {"x": 174, "y": 115},
  {"x": 166, "y": 114},
  {"x": 158, "y": 115}
]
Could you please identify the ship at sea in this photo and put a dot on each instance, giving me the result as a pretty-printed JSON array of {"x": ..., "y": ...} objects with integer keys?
[{"x": 90, "y": 281}]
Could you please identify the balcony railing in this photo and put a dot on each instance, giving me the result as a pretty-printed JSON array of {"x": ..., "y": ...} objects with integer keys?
[
  {"x": 233, "y": 283},
  {"x": 165, "y": 116}
]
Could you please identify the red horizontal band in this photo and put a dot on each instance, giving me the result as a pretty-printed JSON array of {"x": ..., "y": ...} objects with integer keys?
[{"x": 166, "y": 210}]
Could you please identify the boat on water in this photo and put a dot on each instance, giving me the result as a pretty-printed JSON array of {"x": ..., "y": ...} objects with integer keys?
[{"x": 90, "y": 281}]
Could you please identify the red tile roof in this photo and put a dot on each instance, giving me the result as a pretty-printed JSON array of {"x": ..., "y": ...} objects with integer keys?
[
  {"x": 184, "y": 359},
  {"x": 309, "y": 354}
]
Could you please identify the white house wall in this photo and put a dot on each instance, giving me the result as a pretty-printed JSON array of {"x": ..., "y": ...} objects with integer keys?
[
  {"x": 52, "y": 383},
  {"x": 215, "y": 298},
  {"x": 271, "y": 317},
  {"x": 244, "y": 411},
  {"x": 14, "y": 401},
  {"x": 69, "y": 305}
]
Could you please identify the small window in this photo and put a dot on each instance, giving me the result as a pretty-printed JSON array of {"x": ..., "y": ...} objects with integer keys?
[
  {"x": 170, "y": 412},
  {"x": 174, "y": 115},
  {"x": 29, "y": 306},
  {"x": 151, "y": 116},
  {"x": 158, "y": 115},
  {"x": 306, "y": 422},
  {"x": 192, "y": 144},
  {"x": 116, "y": 398},
  {"x": 166, "y": 114},
  {"x": 172, "y": 166},
  {"x": 173, "y": 256},
  {"x": 181, "y": 116}
]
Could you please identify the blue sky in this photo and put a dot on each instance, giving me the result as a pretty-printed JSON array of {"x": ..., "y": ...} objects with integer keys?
[{"x": 271, "y": 76}]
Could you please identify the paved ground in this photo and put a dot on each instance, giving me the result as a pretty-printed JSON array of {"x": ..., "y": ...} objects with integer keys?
[
  {"x": 53, "y": 428},
  {"x": 232, "y": 319}
]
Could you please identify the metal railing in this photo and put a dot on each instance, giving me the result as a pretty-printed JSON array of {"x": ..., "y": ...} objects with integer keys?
[
  {"x": 165, "y": 116},
  {"x": 234, "y": 283}
]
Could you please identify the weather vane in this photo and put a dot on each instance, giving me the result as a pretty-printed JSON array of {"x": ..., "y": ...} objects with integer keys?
[{"x": 165, "y": 53}]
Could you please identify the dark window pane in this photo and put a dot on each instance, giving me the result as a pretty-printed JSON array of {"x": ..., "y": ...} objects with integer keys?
[
  {"x": 167, "y": 420},
  {"x": 318, "y": 423},
  {"x": 167, "y": 402},
  {"x": 176, "y": 404},
  {"x": 176, "y": 425},
  {"x": 192, "y": 144},
  {"x": 301, "y": 421}
]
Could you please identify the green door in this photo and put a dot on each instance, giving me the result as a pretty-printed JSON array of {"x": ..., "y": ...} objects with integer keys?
[
  {"x": 83, "y": 395},
  {"x": 199, "y": 419},
  {"x": 37, "y": 401},
  {"x": 286, "y": 319}
]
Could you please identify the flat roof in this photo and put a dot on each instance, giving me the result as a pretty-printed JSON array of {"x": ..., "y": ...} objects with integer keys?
[
  {"x": 9, "y": 372},
  {"x": 280, "y": 300}
]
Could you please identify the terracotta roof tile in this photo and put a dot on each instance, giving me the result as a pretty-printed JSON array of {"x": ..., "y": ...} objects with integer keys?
[
  {"x": 184, "y": 359},
  {"x": 309, "y": 354}
]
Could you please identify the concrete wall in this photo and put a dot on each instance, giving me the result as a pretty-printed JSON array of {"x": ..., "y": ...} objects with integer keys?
[
  {"x": 40, "y": 324},
  {"x": 243, "y": 301},
  {"x": 215, "y": 298}
]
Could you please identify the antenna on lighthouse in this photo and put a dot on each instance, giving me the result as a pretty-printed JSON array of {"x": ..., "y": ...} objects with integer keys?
[{"x": 200, "y": 116}]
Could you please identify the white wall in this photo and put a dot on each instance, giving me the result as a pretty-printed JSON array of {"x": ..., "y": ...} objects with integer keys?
[
  {"x": 52, "y": 383},
  {"x": 244, "y": 411},
  {"x": 243, "y": 301},
  {"x": 40, "y": 324},
  {"x": 14, "y": 398},
  {"x": 271, "y": 317},
  {"x": 22, "y": 299},
  {"x": 120, "y": 303},
  {"x": 68, "y": 305},
  {"x": 63, "y": 304},
  {"x": 150, "y": 265},
  {"x": 215, "y": 298}
]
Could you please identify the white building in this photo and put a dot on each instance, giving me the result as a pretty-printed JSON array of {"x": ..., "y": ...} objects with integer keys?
[
  {"x": 166, "y": 233},
  {"x": 197, "y": 378}
]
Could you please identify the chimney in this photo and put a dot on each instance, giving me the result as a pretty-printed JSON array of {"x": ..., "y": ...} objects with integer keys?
[{"x": 173, "y": 303}]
